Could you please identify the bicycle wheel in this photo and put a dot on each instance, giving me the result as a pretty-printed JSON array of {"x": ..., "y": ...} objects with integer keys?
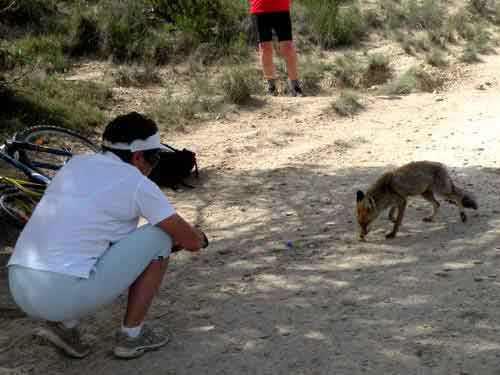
[
  {"x": 54, "y": 137},
  {"x": 16, "y": 206}
]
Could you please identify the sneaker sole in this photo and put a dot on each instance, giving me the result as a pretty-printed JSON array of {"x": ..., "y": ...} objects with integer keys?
[
  {"x": 128, "y": 353},
  {"x": 56, "y": 341}
]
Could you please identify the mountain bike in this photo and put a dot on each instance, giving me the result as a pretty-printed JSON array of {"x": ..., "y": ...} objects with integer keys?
[{"x": 38, "y": 152}]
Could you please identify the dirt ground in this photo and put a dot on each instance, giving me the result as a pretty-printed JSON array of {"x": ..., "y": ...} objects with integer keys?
[{"x": 284, "y": 170}]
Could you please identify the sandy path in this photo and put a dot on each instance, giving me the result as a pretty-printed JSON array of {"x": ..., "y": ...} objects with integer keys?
[{"x": 424, "y": 303}]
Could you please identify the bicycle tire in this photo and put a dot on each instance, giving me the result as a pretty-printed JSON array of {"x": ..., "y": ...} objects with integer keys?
[
  {"x": 53, "y": 137},
  {"x": 16, "y": 207}
]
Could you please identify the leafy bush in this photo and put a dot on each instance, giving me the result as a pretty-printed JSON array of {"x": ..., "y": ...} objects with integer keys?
[
  {"x": 470, "y": 54},
  {"x": 312, "y": 73},
  {"x": 136, "y": 76},
  {"x": 414, "y": 79},
  {"x": 393, "y": 14},
  {"x": 43, "y": 51},
  {"x": 348, "y": 25},
  {"x": 37, "y": 14},
  {"x": 436, "y": 58},
  {"x": 77, "y": 105},
  {"x": 331, "y": 24},
  {"x": 348, "y": 71},
  {"x": 126, "y": 27},
  {"x": 378, "y": 70},
  {"x": 238, "y": 85},
  {"x": 426, "y": 14},
  {"x": 86, "y": 35},
  {"x": 320, "y": 16},
  {"x": 210, "y": 22},
  {"x": 347, "y": 104},
  {"x": 479, "y": 6}
]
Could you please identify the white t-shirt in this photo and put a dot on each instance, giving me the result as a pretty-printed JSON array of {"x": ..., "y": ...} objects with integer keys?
[{"x": 93, "y": 201}]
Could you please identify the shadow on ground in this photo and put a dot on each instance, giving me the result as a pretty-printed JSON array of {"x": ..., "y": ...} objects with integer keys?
[{"x": 424, "y": 303}]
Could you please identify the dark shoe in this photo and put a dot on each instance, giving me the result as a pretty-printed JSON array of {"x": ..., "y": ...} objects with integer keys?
[
  {"x": 66, "y": 339},
  {"x": 133, "y": 347},
  {"x": 271, "y": 90},
  {"x": 297, "y": 91}
]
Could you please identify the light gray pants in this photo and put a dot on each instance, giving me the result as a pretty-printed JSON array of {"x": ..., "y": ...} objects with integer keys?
[{"x": 57, "y": 297}]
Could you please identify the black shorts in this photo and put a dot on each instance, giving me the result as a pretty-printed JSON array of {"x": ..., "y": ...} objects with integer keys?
[{"x": 266, "y": 22}]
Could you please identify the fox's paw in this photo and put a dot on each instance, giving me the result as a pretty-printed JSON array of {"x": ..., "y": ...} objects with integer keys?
[
  {"x": 390, "y": 235},
  {"x": 463, "y": 216}
]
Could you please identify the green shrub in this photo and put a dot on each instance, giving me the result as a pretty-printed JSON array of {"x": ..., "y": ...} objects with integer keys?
[
  {"x": 43, "y": 51},
  {"x": 217, "y": 23},
  {"x": 86, "y": 36},
  {"x": 348, "y": 71},
  {"x": 321, "y": 16},
  {"x": 73, "y": 104},
  {"x": 403, "y": 85},
  {"x": 425, "y": 14},
  {"x": 348, "y": 25},
  {"x": 41, "y": 15},
  {"x": 496, "y": 13},
  {"x": 238, "y": 85},
  {"x": 460, "y": 21},
  {"x": 393, "y": 14},
  {"x": 479, "y": 6},
  {"x": 172, "y": 111},
  {"x": 482, "y": 40},
  {"x": 347, "y": 104},
  {"x": 436, "y": 58},
  {"x": 330, "y": 24},
  {"x": 427, "y": 81},
  {"x": 126, "y": 28},
  {"x": 312, "y": 73},
  {"x": 414, "y": 79},
  {"x": 470, "y": 54},
  {"x": 378, "y": 70},
  {"x": 136, "y": 76},
  {"x": 372, "y": 18}
]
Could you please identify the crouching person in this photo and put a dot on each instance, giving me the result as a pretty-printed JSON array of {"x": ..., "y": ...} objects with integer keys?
[{"x": 82, "y": 248}]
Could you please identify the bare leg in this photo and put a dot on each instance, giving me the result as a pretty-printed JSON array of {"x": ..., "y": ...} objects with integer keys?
[
  {"x": 399, "y": 219},
  {"x": 266, "y": 59},
  {"x": 287, "y": 50},
  {"x": 142, "y": 292},
  {"x": 429, "y": 196}
]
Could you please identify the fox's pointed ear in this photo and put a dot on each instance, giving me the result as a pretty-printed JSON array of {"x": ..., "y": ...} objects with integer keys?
[{"x": 359, "y": 196}]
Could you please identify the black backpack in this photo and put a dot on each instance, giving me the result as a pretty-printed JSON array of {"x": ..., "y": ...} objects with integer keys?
[{"x": 174, "y": 166}]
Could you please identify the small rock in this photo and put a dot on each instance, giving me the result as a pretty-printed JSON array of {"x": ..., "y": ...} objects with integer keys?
[
  {"x": 478, "y": 278},
  {"x": 441, "y": 274}
]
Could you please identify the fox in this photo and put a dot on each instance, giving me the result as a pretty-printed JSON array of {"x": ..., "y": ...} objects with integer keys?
[{"x": 392, "y": 189}]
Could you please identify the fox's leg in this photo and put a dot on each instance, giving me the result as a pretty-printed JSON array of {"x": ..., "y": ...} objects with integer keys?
[
  {"x": 429, "y": 196},
  {"x": 392, "y": 213},
  {"x": 455, "y": 199},
  {"x": 401, "y": 211}
]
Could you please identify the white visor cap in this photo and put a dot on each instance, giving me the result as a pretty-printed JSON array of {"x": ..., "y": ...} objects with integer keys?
[{"x": 150, "y": 143}]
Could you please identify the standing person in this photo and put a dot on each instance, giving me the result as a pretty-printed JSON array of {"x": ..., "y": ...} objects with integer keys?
[
  {"x": 81, "y": 247},
  {"x": 269, "y": 15}
]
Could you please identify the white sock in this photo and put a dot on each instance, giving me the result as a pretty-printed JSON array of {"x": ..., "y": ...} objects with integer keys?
[
  {"x": 70, "y": 323},
  {"x": 132, "y": 331}
]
